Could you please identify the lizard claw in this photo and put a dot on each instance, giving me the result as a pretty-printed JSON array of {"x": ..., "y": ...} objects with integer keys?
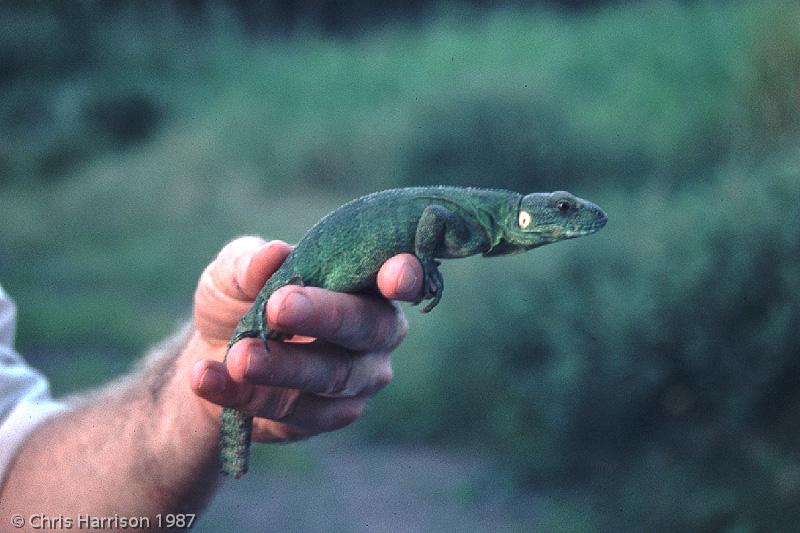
[
  {"x": 296, "y": 280},
  {"x": 433, "y": 284}
]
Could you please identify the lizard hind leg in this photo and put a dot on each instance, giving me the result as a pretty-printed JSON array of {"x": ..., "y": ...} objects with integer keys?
[{"x": 236, "y": 428}]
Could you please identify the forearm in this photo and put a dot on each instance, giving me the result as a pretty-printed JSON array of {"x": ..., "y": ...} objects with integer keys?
[{"x": 140, "y": 447}]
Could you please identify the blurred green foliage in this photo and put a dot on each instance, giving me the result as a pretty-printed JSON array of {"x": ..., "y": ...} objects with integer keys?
[{"x": 645, "y": 379}]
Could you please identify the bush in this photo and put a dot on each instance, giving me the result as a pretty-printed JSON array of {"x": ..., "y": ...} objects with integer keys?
[
  {"x": 655, "y": 361},
  {"x": 520, "y": 99}
]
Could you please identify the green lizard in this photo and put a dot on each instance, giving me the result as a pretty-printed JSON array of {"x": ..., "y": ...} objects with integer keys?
[{"x": 344, "y": 251}]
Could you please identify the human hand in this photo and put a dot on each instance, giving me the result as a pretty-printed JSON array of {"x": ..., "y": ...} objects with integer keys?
[{"x": 320, "y": 381}]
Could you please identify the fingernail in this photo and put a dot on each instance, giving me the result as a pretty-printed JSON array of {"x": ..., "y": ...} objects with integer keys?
[
  {"x": 212, "y": 381},
  {"x": 241, "y": 275},
  {"x": 295, "y": 310},
  {"x": 407, "y": 284}
]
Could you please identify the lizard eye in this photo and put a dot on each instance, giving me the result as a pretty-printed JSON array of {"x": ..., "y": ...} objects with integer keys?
[
  {"x": 564, "y": 206},
  {"x": 524, "y": 219}
]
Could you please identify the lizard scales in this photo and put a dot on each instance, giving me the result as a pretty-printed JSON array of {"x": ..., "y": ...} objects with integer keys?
[{"x": 344, "y": 251}]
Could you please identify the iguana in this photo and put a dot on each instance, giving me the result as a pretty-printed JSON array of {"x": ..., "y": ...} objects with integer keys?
[{"x": 344, "y": 251}]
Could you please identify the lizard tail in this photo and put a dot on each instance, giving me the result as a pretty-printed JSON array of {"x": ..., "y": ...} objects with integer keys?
[
  {"x": 234, "y": 442},
  {"x": 236, "y": 428}
]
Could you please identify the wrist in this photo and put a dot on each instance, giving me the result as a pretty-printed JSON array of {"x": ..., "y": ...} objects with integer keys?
[{"x": 167, "y": 375}]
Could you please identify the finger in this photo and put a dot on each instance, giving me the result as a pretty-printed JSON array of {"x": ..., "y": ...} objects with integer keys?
[
  {"x": 255, "y": 269},
  {"x": 222, "y": 272},
  {"x": 265, "y": 430},
  {"x": 308, "y": 412},
  {"x": 211, "y": 381},
  {"x": 316, "y": 414},
  {"x": 356, "y": 322},
  {"x": 228, "y": 285},
  {"x": 320, "y": 367},
  {"x": 244, "y": 264},
  {"x": 400, "y": 278}
]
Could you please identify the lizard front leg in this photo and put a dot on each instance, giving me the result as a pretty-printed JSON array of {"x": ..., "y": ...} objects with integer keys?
[
  {"x": 433, "y": 284},
  {"x": 438, "y": 230}
]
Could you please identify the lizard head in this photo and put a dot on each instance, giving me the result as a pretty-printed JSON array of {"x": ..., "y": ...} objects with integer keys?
[{"x": 543, "y": 218}]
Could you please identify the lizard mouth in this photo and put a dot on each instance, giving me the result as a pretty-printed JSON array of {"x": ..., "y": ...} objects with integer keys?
[
  {"x": 557, "y": 233},
  {"x": 600, "y": 219},
  {"x": 593, "y": 225}
]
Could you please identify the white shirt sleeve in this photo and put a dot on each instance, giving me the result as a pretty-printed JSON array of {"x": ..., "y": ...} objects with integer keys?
[{"x": 24, "y": 393}]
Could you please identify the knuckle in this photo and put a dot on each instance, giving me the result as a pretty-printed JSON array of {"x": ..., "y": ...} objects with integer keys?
[
  {"x": 356, "y": 323},
  {"x": 288, "y": 433},
  {"x": 236, "y": 362},
  {"x": 336, "y": 323},
  {"x": 278, "y": 405},
  {"x": 341, "y": 381},
  {"x": 368, "y": 374},
  {"x": 348, "y": 414},
  {"x": 248, "y": 401},
  {"x": 380, "y": 379},
  {"x": 401, "y": 327},
  {"x": 390, "y": 331},
  {"x": 384, "y": 378},
  {"x": 283, "y": 306},
  {"x": 264, "y": 367}
]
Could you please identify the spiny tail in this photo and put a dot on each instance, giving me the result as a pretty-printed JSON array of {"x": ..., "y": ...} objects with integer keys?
[
  {"x": 236, "y": 428},
  {"x": 235, "y": 432},
  {"x": 234, "y": 441}
]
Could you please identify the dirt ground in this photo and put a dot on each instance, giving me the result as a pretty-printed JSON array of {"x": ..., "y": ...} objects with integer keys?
[{"x": 327, "y": 486}]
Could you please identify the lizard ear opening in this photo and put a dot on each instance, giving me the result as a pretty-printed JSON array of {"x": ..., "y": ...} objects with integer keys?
[{"x": 524, "y": 219}]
